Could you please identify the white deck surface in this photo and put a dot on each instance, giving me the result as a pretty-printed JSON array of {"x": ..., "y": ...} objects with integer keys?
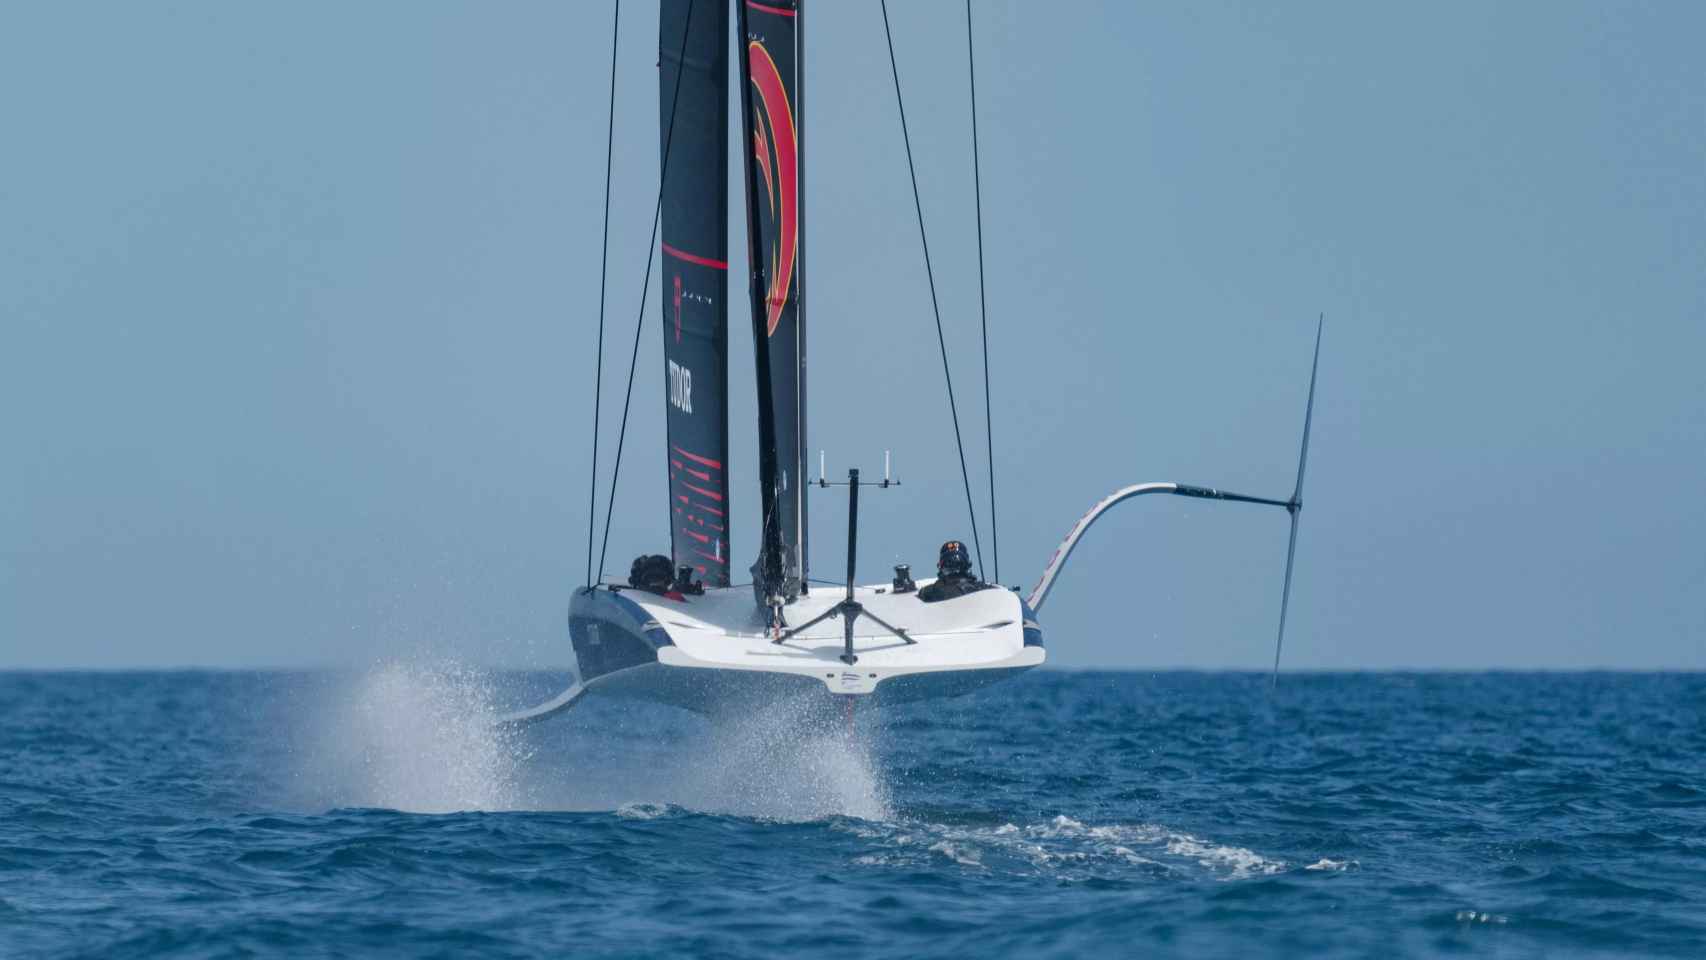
[{"x": 720, "y": 630}]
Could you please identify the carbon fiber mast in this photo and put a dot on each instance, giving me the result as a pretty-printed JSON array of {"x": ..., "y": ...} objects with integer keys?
[
  {"x": 769, "y": 63},
  {"x": 800, "y": 296}
]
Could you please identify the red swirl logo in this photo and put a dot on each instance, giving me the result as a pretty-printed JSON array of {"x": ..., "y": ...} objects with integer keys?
[{"x": 776, "y": 145}]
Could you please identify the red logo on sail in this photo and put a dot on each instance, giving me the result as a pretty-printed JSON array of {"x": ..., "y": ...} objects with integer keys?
[{"x": 778, "y": 158}]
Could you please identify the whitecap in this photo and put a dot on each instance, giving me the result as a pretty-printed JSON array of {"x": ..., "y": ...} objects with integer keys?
[
  {"x": 1240, "y": 862},
  {"x": 965, "y": 856},
  {"x": 1063, "y": 847},
  {"x": 644, "y": 811}
]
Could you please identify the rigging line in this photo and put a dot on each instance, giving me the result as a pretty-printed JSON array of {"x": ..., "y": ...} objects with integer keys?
[
  {"x": 983, "y": 301},
  {"x": 603, "y": 277},
  {"x": 941, "y": 339},
  {"x": 645, "y": 289}
]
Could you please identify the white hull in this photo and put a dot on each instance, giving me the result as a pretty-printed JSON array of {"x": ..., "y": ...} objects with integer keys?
[{"x": 712, "y": 653}]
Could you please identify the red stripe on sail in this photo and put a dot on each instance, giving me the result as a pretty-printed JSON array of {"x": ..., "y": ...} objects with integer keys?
[
  {"x": 703, "y": 492},
  {"x": 694, "y": 258},
  {"x": 767, "y": 8},
  {"x": 699, "y": 473},
  {"x": 702, "y": 538},
  {"x": 707, "y": 461}
]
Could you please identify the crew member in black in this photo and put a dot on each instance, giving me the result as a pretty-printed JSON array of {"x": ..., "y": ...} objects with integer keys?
[
  {"x": 654, "y": 573},
  {"x": 953, "y": 575}
]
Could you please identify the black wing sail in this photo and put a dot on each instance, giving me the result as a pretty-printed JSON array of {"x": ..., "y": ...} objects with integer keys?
[
  {"x": 695, "y": 279},
  {"x": 773, "y": 157}
]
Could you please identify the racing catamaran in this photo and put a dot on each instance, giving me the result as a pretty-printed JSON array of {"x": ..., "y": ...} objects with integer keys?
[{"x": 680, "y": 631}]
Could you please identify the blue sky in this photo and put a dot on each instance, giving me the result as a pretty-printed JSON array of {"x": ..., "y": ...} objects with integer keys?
[{"x": 298, "y": 305}]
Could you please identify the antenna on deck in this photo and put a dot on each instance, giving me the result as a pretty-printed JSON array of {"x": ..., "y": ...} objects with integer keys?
[
  {"x": 1294, "y": 506},
  {"x": 849, "y": 609}
]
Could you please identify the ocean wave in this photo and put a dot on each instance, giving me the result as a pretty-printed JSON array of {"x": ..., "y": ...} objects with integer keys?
[{"x": 1347, "y": 816}]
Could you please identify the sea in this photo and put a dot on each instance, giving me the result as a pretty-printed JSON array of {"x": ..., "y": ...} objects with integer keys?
[{"x": 378, "y": 812}]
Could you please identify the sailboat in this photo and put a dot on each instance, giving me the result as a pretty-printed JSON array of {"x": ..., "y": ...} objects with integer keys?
[{"x": 696, "y": 639}]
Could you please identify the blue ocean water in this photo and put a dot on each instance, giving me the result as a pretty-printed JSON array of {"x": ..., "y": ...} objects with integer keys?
[{"x": 1061, "y": 814}]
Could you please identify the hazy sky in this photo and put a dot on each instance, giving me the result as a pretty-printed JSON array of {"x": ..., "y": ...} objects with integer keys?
[{"x": 298, "y": 304}]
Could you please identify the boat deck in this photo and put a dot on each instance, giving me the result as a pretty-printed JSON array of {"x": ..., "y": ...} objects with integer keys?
[{"x": 723, "y": 630}]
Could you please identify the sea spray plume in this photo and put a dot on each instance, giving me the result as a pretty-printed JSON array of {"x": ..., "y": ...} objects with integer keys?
[
  {"x": 789, "y": 760},
  {"x": 796, "y": 759},
  {"x": 792, "y": 759},
  {"x": 415, "y": 735}
]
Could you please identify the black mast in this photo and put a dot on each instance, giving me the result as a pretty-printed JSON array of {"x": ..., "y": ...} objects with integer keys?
[
  {"x": 800, "y": 473},
  {"x": 767, "y": 572}
]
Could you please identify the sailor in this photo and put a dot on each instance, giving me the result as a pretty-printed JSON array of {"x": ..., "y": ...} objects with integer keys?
[
  {"x": 654, "y": 573},
  {"x": 953, "y": 575}
]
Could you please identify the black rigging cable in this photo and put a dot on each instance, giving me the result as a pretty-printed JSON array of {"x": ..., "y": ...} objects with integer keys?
[
  {"x": 941, "y": 339},
  {"x": 983, "y": 302},
  {"x": 603, "y": 275},
  {"x": 645, "y": 290}
]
